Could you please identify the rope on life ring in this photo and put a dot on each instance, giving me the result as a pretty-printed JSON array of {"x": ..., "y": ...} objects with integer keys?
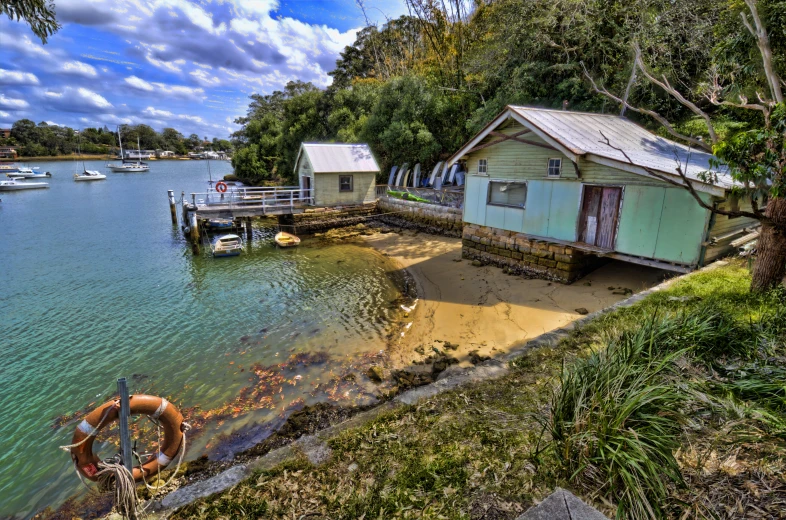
[
  {"x": 221, "y": 186},
  {"x": 156, "y": 408}
]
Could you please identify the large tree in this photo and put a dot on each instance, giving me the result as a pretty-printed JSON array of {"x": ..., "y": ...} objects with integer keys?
[
  {"x": 38, "y": 14},
  {"x": 748, "y": 85}
]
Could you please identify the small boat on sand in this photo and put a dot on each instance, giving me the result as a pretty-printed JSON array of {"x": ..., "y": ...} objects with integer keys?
[
  {"x": 89, "y": 175},
  {"x": 286, "y": 240},
  {"x": 15, "y": 185},
  {"x": 226, "y": 245}
]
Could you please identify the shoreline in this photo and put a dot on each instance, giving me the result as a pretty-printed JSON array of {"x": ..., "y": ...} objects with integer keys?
[
  {"x": 103, "y": 157},
  {"x": 471, "y": 313}
]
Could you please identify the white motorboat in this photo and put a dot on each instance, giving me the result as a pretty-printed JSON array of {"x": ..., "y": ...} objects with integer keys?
[
  {"x": 89, "y": 175},
  {"x": 128, "y": 167},
  {"x": 9, "y": 168},
  {"x": 226, "y": 245},
  {"x": 28, "y": 173},
  {"x": 15, "y": 185}
]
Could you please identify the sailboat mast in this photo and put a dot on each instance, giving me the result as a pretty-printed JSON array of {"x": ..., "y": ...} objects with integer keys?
[{"x": 120, "y": 139}]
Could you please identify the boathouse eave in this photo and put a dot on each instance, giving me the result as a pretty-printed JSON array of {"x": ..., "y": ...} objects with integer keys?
[{"x": 576, "y": 155}]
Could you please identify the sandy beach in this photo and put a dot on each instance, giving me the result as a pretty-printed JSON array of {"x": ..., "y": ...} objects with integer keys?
[{"x": 485, "y": 310}]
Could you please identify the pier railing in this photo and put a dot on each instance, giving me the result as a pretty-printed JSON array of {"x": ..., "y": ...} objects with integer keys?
[
  {"x": 451, "y": 196},
  {"x": 264, "y": 199}
]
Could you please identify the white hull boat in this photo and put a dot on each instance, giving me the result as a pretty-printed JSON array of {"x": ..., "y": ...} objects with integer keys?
[
  {"x": 14, "y": 185},
  {"x": 129, "y": 168},
  {"x": 89, "y": 175},
  {"x": 226, "y": 245},
  {"x": 28, "y": 173}
]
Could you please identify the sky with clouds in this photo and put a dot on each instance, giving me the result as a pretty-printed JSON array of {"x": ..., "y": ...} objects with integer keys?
[{"x": 188, "y": 64}]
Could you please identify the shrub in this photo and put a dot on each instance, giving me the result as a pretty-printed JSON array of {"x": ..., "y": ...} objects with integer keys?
[{"x": 615, "y": 421}]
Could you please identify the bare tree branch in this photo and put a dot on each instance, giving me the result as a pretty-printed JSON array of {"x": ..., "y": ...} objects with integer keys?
[
  {"x": 659, "y": 118},
  {"x": 676, "y": 95},
  {"x": 686, "y": 184},
  {"x": 631, "y": 81},
  {"x": 763, "y": 42}
]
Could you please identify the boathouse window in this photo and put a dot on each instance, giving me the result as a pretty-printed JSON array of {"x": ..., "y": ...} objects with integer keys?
[
  {"x": 555, "y": 167},
  {"x": 506, "y": 193},
  {"x": 483, "y": 167},
  {"x": 344, "y": 183}
]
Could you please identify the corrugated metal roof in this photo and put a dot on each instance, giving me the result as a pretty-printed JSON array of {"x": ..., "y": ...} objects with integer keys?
[
  {"x": 580, "y": 133},
  {"x": 340, "y": 158}
]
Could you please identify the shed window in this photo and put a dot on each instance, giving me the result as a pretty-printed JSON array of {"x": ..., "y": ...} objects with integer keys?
[
  {"x": 344, "y": 183},
  {"x": 505, "y": 193},
  {"x": 555, "y": 167},
  {"x": 483, "y": 167}
]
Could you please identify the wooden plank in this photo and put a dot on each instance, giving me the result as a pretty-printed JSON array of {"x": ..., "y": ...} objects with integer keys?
[
  {"x": 506, "y": 137},
  {"x": 590, "y": 210},
  {"x": 607, "y": 222}
]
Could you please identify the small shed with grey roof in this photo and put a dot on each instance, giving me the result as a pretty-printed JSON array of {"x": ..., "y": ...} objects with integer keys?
[
  {"x": 337, "y": 173},
  {"x": 599, "y": 184}
]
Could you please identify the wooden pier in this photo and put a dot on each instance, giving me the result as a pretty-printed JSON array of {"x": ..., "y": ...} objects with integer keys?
[{"x": 239, "y": 204}]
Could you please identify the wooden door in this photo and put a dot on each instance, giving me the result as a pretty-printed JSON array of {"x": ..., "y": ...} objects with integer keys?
[
  {"x": 306, "y": 187},
  {"x": 599, "y": 214}
]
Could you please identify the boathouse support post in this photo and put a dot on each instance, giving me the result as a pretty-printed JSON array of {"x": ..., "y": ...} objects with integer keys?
[
  {"x": 172, "y": 206},
  {"x": 125, "y": 434},
  {"x": 194, "y": 229},
  {"x": 249, "y": 229}
]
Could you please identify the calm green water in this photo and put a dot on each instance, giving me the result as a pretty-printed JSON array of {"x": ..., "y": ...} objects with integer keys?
[{"x": 96, "y": 284}]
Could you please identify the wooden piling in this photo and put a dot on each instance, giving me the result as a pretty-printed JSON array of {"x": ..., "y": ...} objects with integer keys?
[
  {"x": 249, "y": 229},
  {"x": 172, "y": 207},
  {"x": 194, "y": 229}
]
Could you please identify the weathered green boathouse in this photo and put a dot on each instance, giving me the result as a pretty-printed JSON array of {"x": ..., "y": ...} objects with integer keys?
[
  {"x": 549, "y": 191},
  {"x": 337, "y": 173}
]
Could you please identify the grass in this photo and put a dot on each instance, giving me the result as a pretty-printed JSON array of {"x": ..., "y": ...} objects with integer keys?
[
  {"x": 408, "y": 196},
  {"x": 673, "y": 408}
]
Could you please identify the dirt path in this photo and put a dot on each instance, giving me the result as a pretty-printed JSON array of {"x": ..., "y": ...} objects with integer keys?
[{"x": 481, "y": 308}]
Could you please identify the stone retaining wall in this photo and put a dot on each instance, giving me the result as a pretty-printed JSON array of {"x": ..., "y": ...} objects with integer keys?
[
  {"x": 526, "y": 255},
  {"x": 431, "y": 218},
  {"x": 317, "y": 220}
]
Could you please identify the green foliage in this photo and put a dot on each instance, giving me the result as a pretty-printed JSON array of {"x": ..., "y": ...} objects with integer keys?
[
  {"x": 44, "y": 139},
  {"x": 615, "y": 421},
  {"x": 38, "y": 14}
]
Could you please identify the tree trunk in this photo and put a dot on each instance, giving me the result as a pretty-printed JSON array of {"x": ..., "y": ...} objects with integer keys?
[{"x": 770, "y": 267}]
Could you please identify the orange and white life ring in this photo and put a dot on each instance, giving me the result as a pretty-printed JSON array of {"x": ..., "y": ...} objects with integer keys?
[
  {"x": 158, "y": 408},
  {"x": 221, "y": 186}
]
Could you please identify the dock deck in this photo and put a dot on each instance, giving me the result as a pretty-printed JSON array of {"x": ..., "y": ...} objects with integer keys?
[{"x": 243, "y": 202}]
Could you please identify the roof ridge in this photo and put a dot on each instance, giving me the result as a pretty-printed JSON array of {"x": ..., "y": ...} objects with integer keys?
[{"x": 558, "y": 110}]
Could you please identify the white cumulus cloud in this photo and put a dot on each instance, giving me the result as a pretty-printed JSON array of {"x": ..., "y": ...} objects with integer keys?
[
  {"x": 79, "y": 68},
  {"x": 17, "y": 77},
  {"x": 12, "y": 103}
]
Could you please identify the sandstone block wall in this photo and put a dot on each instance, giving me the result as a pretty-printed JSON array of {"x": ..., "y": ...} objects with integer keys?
[
  {"x": 431, "y": 218},
  {"x": 317, "y": 220},
  {"x": 526, "y": 255}
]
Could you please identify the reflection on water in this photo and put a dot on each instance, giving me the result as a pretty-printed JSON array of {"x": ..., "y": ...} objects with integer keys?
[{"x": 96, "y": 284}]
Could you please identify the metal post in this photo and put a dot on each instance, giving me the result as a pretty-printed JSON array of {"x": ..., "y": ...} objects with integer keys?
[
  {"x": 172, "y": 207},
  {"x": 291, "y": 198},
  {"x": 193, "y": 199},
  {"x": 125, "y": 434}
]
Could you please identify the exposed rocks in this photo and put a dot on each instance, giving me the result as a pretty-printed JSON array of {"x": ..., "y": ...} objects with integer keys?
[
  {"x": 406, "y": 379},
  {"x": 475, "y": 357},
  {"x": 477, "y": 263},
  {"x": 450, "y": 346},
  {"x": 582, "y": 311},
  {"x": 376, "y": 373}
]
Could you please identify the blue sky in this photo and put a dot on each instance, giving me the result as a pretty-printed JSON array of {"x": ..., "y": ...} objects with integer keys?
[{"x": 189, "y": 64}]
